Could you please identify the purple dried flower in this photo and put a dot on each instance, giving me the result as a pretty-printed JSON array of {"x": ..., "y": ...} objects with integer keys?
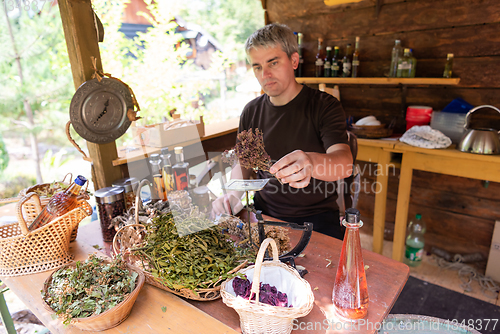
[
  {"x": 267, "y": 294},
  {"x": 249, "y": 151}
]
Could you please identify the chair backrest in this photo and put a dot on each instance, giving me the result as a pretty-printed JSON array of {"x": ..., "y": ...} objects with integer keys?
[{"x": 348, "y": 188}]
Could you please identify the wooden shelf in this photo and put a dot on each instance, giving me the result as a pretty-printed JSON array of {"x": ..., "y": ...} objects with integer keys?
[{"x": 380, "y": 81}]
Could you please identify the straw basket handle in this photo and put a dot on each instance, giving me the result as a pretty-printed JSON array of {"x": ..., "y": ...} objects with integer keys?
[
  {"x": 258, "y": 265},
  {"x": 138, "y": 201},
  {"x": 19, "y": 208}
]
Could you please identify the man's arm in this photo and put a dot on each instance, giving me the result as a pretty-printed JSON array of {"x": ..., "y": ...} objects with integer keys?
[
  {"x": 228, "y": 203},
  {"x": 297, "y": 167}
]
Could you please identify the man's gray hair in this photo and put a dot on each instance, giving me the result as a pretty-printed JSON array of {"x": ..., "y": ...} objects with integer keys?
[{"x": 273, "y": 35}]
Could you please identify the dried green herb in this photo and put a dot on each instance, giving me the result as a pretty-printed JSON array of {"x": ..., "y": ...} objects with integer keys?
[
  {"x": 197, "y": 260},
  {"x": 89, "y": 288}
]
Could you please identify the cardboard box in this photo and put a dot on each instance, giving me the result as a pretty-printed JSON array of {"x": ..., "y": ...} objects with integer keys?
[{"x": 168, "y": 133}]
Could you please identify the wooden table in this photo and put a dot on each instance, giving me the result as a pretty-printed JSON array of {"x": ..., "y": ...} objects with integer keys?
[
  {"x": 444, "y": 161},
  {"x": 385, "y": 278}
]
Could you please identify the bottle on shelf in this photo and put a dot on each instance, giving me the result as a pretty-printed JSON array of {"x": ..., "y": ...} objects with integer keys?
[
  {"x": 181, "y": 170},
  {"x": 346, "y": 62},
  {"x": 320, "y": 59},
  {"x": 59, "y": 204},
  {"x": 328, "y": 62},
  {"x": 404, "y": 65},
  {"x": 156, "y": 170},
  {"x": 397, "y": 52},
  {"x": 350, "y": 291},
  {"x": 335, "y": 62},
  {"x": 299, "y": 71},
  {"x": 355, "y": 59},
  {"x": 413, "y": 63},
  {"x": 415, "y": 241},
  {"x": 166, "y": 171},
  {"x": 448, "y": 67}
]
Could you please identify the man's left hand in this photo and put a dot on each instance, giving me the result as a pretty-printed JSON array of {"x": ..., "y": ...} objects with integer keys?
[{"x": 295, "y": 168}]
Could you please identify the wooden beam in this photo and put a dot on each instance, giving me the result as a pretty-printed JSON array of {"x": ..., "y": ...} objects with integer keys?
[{"x": 79, "y": 26}]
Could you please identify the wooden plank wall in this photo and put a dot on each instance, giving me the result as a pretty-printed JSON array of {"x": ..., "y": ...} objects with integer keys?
[{"x": 460, "y": 212}]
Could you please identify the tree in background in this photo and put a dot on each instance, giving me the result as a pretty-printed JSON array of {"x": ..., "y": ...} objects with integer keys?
[{"x": 35, "y": 77}]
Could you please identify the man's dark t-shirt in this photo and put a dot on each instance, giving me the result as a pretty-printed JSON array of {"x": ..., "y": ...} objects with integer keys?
[{"x": 312, "y": 122}]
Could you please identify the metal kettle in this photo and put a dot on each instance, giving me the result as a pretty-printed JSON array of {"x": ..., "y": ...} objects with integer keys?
[{"x": 479, "y": 141}]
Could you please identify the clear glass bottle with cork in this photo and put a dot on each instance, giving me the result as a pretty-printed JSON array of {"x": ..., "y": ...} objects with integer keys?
[
  {"x": 156, "y": 171},
  {"x": 181, "y": 170},
  {"x": 397, "y": 52},
  {"x": 167, "y": 172}
]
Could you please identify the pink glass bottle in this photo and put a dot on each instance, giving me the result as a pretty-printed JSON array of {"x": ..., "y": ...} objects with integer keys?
[
  {"x": 350, "y": 292},
  {"x": 59, "y": 204}
]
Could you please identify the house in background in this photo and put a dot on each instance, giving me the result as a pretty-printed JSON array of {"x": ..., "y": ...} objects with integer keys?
[{"x": 202, "y": 44}]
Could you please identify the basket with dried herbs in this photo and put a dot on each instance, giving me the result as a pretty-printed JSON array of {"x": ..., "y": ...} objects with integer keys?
[
  {"x": 193, "y": 265},
  {"x": 96, "y": 294}
]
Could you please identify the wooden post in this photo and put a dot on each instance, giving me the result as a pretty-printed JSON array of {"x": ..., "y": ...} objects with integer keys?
[{"x": 81, "y": 35}]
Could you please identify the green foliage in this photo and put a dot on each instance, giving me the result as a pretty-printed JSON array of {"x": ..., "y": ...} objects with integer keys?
[
  {"x": 46, "y": 82},
  {"x": 10, "y": 187},
  {"x": 229, "y": 21},
  {"x": 4, "y": 155}
]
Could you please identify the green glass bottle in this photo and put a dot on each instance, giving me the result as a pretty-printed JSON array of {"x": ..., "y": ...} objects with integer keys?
[
  {"x": 413, "y": 64},
  {"x": 346, "y": 62},
  {"x": 415, "y": 241},
  {"x": 404, "y": 65},
  {"x": 335, "y": 62},
  {"x": 448, "y": 67},
  {"x": 328, "y": 62}
]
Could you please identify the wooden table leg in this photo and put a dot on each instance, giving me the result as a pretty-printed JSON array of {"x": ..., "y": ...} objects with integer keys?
[
  {"x": 402, "y": 206},
  {"x": 380, "y": 200}
]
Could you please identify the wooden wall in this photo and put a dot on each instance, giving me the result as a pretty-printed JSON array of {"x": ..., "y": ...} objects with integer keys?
[{"x": 460, "y": 212}]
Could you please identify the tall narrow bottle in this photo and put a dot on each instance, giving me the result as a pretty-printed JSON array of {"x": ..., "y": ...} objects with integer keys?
[
  {"x": 335, "y": 62},
  {"x": 397, "y": 52},
  {"x": 181, "y": 170},
  {"x": 166, "y": 172},
  {"x": 328, "y": 62},
  {"x": 346, "y": 62},
  {"x": 156, "y": 170},
  {"x": 355, "y": 59},
  {"x": 404, "y": 65},
  {"x": 350, "y": 292},
  {"x": 59, "y": 204},
  {"x": 299, "y": 70},
  {"x": 448, "y": 67},
  {"x": 320, "y": 59}
]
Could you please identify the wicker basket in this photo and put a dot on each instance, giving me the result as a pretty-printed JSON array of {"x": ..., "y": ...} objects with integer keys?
[
  {"x": 26, "y": 252},
  {"x": 136, "y": 232},
  {"x": 110, "y": 318},
  {"x": 30, "y": 210},
  {"x": 259, "y": 318}
]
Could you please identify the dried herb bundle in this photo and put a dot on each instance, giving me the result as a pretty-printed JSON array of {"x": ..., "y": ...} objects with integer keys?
[
  {"x": 249, "y": 151},
  {"x": 198, "y": 260},
  {"x": 89, "y": 288}
]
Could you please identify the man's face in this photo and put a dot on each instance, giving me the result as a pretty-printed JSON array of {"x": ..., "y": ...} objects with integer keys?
[{"x": 273, "y": 69}]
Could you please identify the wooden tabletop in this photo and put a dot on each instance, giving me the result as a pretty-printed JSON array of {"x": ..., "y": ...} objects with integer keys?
[{"x": 385, "y": 278}]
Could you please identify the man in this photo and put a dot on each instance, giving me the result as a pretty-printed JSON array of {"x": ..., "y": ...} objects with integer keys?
[{"x": 304, "y": 132}]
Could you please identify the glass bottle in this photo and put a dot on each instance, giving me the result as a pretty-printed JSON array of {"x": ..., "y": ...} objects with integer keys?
[
  {"x": 397, "y": 51},
  {"x": 328, "y": 62},
  {"x": 350, "y": 292},
  {"x": 346, "y": 62},
  {"x": 448, "y": 67},
  {"x": 404, "y": 65},
  {"x": 156, "y": 170},
  {"x": 299, "y": 71},
  {"x": 166, "y": 172},
  {"x": 59, "y": 204},
  {"x": 181, "y": 170},
  {"x": 320, "y": 56},
  {"x": 335, "y": 62},
  {"x": 413, "y": 64},
  {"x": 355, "y": 59},
  {"x": 415, "y": 241}
]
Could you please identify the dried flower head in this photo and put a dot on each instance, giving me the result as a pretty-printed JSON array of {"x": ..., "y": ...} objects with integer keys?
[{"x": 249, "y": 151}]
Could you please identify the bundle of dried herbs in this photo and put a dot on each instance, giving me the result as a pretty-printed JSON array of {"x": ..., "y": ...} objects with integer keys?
[
  {"x": 194, "y": 261},
  {"x": 89, "y": 288},
  {"x": 249, "y": 151}
]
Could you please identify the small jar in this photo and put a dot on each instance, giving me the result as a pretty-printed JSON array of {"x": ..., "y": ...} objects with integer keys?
[
  {"x": 201, "y": 198},
  {"x": 110, "y": 204},
  {"x": 129, "y": 185}
]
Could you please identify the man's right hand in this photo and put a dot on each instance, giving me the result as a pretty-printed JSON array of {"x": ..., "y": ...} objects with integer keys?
[{"x": 229, "y": 203}]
